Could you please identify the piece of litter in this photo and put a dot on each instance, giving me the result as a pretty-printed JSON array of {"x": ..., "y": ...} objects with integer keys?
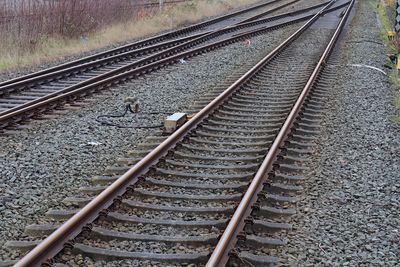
[
  {"x": 174, "y": 121},
  {"x": 368, "y": 67},
  {"x": 182, "y": 61},
  {"x": 94, "y": 143}
]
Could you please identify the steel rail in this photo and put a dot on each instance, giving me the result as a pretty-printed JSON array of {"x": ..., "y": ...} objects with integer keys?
[
  {"x": 293, "y": 13},
  {"x": 116, "y": 58},
  {"x": 305, "y": 17},
  {"x": 138, "y": 44},
  {"x": 120, "y": 75},
  {"x": 220, "y": 255},
  {"x": 73, "y": 91},
  {"x": 288, "y": 13},
  {"x": 163, "y": 46},
  {"x": 9, "y": 88},
  {"x": 50, "y": 246},
  {"x": 141, "y": 62}
]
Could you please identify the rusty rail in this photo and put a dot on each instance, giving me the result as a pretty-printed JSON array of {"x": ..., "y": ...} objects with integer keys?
[
  {"x": 115, "y": 55},
  {"x": 71, "y": 228},
  {"x": 73, "y": 92},
  {"x": 228, "y": 240},
  {"x": 123, "y": 73},
  {"x": 49, "y": 247},
  {"x": 119, "y": 54},
  {"x": 141, "y": 43}
]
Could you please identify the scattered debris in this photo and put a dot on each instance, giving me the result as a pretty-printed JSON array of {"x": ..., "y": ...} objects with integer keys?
[
  {"x": 132, "y": 102},
  {"x": 93, "y": 143},
  {"x": 174, "y": 121},
  {"x": 367, "y": 66}
]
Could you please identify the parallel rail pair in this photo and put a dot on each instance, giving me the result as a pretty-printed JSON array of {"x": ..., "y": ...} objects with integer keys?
[
  {"x": 220, "y": 105},
  {"x": 79, "y": 79}
]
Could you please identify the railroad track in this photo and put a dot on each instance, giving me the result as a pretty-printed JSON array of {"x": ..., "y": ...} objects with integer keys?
[
  {"x": 202, "y": 26},
  {"x": 228, "y": 174},
  {"x": 29, "y": 97}
]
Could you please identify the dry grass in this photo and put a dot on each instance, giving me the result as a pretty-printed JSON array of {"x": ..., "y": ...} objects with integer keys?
[
  {"x": 386, "y": 13},
  {"x": 45, "y": 47}
]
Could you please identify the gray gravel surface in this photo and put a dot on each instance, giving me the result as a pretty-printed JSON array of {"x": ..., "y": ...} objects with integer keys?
[
  {"x": 152, "y": 229},
  {"x": 85, "y": 261},
  {"x": 153, "y": 247},
  {"x": 169, "y": 215},
  {"x": 42, "y": 165},
  {"x": 349, "y": 214},
  {"x": 181, "y": 202}
]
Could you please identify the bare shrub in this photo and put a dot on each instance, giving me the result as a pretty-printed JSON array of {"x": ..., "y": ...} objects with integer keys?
[{"x": 25, "y": 23}]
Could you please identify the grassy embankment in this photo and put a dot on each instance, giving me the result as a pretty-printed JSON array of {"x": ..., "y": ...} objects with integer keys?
[
  {"x": 69, "y": 27},
  {"x": 386, "y": 13}
]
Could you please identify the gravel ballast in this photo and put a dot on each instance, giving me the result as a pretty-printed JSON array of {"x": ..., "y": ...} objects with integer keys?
[
  {"x": 47, "y": 162},
  {"x": 349, "y": 213}
]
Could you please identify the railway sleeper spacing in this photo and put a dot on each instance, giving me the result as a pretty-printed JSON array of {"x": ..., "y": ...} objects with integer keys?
[
  {"x": 217, "y": 191},
  {"x": 41, "y": 98}
]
